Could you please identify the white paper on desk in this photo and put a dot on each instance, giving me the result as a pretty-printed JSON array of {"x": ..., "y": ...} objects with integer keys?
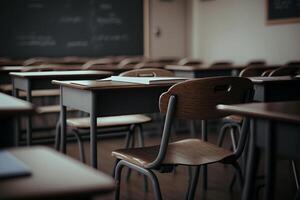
[{"x": 144, "y": 80}]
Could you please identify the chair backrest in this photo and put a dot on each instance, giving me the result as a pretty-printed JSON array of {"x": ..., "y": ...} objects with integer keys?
[
  {"x": 221, "y": 63},
  {"x": 131, "y": 61},
  {"x": 256, "y": 62},
  {"x": 255, "y": 70},
  {"x": 148, "y": 72},
  {"x": 166, "y": 60},
  {"x": 188, "y": 61},
  {"x": 197, "y": 99},
  {"x": 148, "y": 65},
  {"x": 98, "y": 62},
  {"x": 293, "y": 63},
  {"x": 35, "y": 61},
  {"x": 292, "y": 70}
]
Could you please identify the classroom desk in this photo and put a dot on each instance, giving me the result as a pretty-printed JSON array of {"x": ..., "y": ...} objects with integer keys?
[
  {"x": 10, "y": 107},
  {"x": 279, "y": 88},
  {"x": 28, "y": 81},
  {"x": 200, "y": 71},
  {"x": 106, "y": 98},
  {"x": 274, "y": 127},
  {"x": 54, "y": 176}
]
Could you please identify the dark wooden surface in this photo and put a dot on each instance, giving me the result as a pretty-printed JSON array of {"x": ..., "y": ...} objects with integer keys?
[
  {"x": 286, "y": 111},
  {"x": 174, "y": 185},
  {"x": 60, "y": 74},
  {"x": 10, "y": 106},
  {"x": 54, "y": 176},
  {"x": 104, "y": 85}
]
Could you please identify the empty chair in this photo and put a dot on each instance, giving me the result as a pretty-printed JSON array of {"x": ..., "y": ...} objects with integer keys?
[
  {"x": 131, "y": 61},
  {"x": 98, "y": 63},
  {"x": 191, "y": 104},
  {"x": 130, "y": 122},
  {"x": 254, "y": 70},
  {"x": 188, "y": 61},
  {"x": 166, "y": 60},
  {"x": 221, "y": 64},
  {"x": 291, "y": 70},
  {"x": 148, "y": 65},
  {"x": 36, "y": 61},
  {"x": 256, "y": 63},
  {"x": 293, "y": 63}
]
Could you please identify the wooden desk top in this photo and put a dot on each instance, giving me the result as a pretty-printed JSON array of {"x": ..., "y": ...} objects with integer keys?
[
  {"x": 200, "y": 67},
  {"x": 54, "y": 175},
  {"x": 57, "y": 74},
  {"x": 12, "y": 106},
  {"x": 273, "y": 79},
  {"x": 285, "y": 111},
  {"x": 106, "y": 85}
]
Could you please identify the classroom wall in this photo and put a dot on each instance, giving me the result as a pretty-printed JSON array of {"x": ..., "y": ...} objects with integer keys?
[
  {"x": 168, "y": 17},
  {"x": 237, "y": 30}
]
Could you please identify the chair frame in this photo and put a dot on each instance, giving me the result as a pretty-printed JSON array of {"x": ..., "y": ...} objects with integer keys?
[{"x": 157, "y": 163}]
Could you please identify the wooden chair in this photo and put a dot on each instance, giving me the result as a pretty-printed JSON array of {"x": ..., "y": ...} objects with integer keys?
[
  {"x": 252, "y": 70},
  {"x": 256, "y": 63},
  {"x": 166, "y": 60},
  {"x": 291, "y": 70},
  {"x": 188, "y": 61},
  {"x": 35, "y": 61},
  {"x": 221, "y": 64},
  {"x": 142, "y": 65},
  {"x": 98, "y": 63},
  {"x": 129, "y": 122},
  {"x": 293, "y": 63},
  {"x": 186, "y": 101},
  {"x": 130, "y": 62}
]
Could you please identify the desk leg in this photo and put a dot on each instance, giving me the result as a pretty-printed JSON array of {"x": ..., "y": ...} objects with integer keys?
[
  {"x": 270, "y": 165},
  {"x": 251, "y": 168},
  {"x": 204, "y": 167},
  {"x": 93, "y": 133},
  {"x": 63, "y": 129},
  {"x": 16, "y": 121},
  {"x": 29, "y": 119}
]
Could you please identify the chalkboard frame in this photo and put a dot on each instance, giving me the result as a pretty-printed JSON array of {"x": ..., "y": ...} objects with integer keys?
[
  {"x": 278, "y": 21},
  {"x": 144, "y": 29}
]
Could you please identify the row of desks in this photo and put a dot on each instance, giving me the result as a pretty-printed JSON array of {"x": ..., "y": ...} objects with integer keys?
[
  {"x": 102, "y": 98},
  {"x": 53, "y": 175}
]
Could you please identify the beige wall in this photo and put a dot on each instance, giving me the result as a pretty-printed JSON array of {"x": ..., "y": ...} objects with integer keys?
[
  {"x": 170, "y": 18},
  {"x": 236, "y": 30}
]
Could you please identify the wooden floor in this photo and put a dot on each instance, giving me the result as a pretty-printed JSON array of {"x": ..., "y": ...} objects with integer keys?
[{"x": 173, "y": 185}]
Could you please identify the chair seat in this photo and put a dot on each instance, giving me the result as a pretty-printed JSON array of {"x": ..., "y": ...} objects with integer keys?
[
  {"x": 183, "y": 152},
  {"x": 123, "y": 120},
  {"x": 50, "y": 109},
  {"x": 234, "y": 118}
]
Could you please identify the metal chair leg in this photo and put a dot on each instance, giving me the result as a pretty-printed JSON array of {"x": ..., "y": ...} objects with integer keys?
[
  {"x": 57, "y": 136},
  {"x": 117, "y": 176},
  {"x": 193, "y": 185},
  {"x": 142, "y": 144},
  {"x": 80, "y": 145},
  {"x": 239, "y": 174},
  {"x": 222, "y": 135},
  {"x": 132, "y": 145},
  {"x": 146, "y": 172},
  {"x": 295, "y": 173}
]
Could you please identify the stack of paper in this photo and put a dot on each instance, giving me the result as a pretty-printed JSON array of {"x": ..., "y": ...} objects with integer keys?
[{"x": 145, "y": 80}]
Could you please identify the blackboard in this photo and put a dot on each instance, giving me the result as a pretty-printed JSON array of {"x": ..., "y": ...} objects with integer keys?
[
  {"x": 56, "y": 28},
  {"x": 283, "y": 11}
]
